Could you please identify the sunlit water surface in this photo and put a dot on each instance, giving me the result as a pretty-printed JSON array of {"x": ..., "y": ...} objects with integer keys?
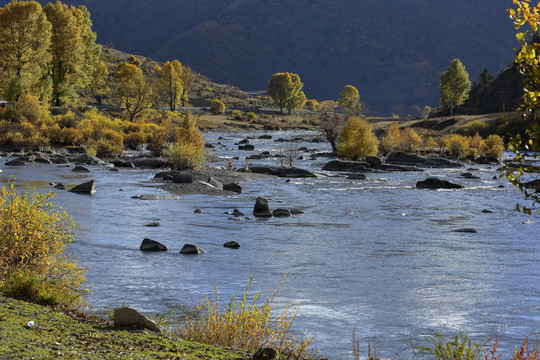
[{"x": 378, "y": 257}]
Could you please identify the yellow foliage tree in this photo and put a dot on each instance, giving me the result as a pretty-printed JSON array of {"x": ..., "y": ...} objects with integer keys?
[
  {"x": 285, "y": 89},
  {"x": 133, "y": 88},
  {"x": 98, "y": 84},
  {"x": 25, "y": 39},
  {"x": 357, "y": 140},
  {"x": 171, "y": 83},
  {"x": 349, "y": 100}
]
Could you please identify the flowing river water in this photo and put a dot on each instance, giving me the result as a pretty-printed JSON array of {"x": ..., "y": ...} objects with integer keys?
[{"x": 378, "y": 257}]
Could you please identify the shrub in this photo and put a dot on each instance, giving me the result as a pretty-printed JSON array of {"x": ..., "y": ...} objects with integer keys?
[
  {"x": 457, "y": 145},
  {"x": 105, "y": 148},
  {"x": 28, "y": 106},
  {"x": 185, "y": 155},
  {"x": 189, "y": 132},
  {"x": 245, "y": 325},
  {"x": 476, "y": 126},
  {"x": 34, "y": 236},
  {"x": 474, "y": 144},
  {"x": 66, "y": 120},
  {"x": 493, "y": 146},
  {"x": 357, "y": 139},
  {"x": 457, "y": 347},
  {"x": 69, "y": 136},
  {"x": 311, "y": 105},
  {"x": 134, "y": 140},
  {"x": 218, "y": 106},
  {"x": 391, "y": 140},
  {"x": 251, "y": 116},
  {"x": 237, "y": 115}
]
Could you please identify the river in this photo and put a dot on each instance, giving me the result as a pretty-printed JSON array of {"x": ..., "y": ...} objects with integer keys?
[{"x": 378, "y": 257}]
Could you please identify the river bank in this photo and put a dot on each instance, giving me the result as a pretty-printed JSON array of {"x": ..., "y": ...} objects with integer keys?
[{"x": 30, "y": 331}]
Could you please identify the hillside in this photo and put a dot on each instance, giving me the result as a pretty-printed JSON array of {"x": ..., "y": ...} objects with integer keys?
[{"x": 393, "y": 52}]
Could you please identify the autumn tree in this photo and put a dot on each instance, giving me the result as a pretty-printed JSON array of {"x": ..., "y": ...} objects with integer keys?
[
  {"x": 356, "y": 139},
  {"x": 171, "y": 83},
  {"x": 528, "y": 63},
  {"x": 133, "y": 88},
  {"x": 187, "y": 82},
  {"x": 98, "y": 83},
  {"x": 25, "y": 38},
  {"x": 285, "y": 89},
  {"x": 349, "y": 100},
  {"x": 455, "y": 85},
  {"x": 73, "y": 49}
]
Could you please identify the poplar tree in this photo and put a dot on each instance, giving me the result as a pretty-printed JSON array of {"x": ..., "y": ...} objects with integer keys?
[
  {"x": 25, "y": 37},
  {"x": 285, "y": 89},
  {"x": 73, "y": 50},
  {"x": 98, "y": 84},
  {"x": 133, "y": 88},
  {"x": 349, "y": 100},
  {"x": 171, "y": 83},
  {"x": 455, "y": 85}
]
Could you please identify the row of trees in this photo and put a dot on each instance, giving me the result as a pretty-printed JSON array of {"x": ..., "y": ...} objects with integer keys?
[
  {"x": 285, "y": 90},
  {"x": 50, "y": 52}
]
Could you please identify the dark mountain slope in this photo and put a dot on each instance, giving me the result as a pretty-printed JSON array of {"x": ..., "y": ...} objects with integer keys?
[{"x": 392, "y": 51}]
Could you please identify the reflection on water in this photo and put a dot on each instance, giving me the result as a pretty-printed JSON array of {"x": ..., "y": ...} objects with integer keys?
[{"x": 376, "y": 256}]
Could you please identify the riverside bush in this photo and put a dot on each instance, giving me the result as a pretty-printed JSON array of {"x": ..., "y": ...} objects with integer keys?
[
  {"x": 493, "y": 146},
  {"x": 456, "y": 347},
  {"x": 185, "y": 155},
  {"x": 357, "y": 139},
  {"x": 251, "y": 116},
  {"x": 33, "y": 236},
  {"x": 397, "y": 139},
  {"x": 457, "y": 145},
  {"x": 476, "y": 126},
  {"x": 28, "y": 106},
  {"x": 190, "y": 133},
  {"x": 245, "y": 325},
  {"x": 218, "y": 106}
]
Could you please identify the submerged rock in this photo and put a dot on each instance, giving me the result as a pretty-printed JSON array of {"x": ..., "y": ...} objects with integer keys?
[
  {"x": 190, "y": 249},
  {"x": 232, "y": 245}
]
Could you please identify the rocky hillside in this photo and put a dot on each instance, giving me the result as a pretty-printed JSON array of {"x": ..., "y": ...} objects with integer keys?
[{"x": 392, "y": 51}]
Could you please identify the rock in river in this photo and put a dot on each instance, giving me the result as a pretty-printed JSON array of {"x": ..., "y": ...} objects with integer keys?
[
  {"x": 262, "y": 208},
  {"x": 152, "y": 246},
  {"x": 434, "y": 183},
  {"x": 190, "y": 249},
  {"x": 232, "y": 245},
  {"x": 88, "y": 187}
]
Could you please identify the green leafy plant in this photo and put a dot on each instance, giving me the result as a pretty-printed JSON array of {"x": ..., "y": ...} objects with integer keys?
[{"x": 184, "y": 155}]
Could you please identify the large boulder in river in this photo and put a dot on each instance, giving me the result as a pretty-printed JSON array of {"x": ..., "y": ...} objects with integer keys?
[
  {"x": 434, "y": 183},
  {"x": 88, "y": 187},
  {"x": 149, "y": 163},
  {"x": 416, "y": 160},
  {"x": 281, "y": 212},
  {"x": 373, "y": 161},
  {"x": 293, "y": 172},
  {"x": 123, "y": 163},
  {"x": 87, "y": 159},
  {"x": 152, "y": 246},
  {"x": 348, "y": 166},
  {"x": 232, "y": 187},
  {"x": 262, "y": 208},
  {"x": 404, "y": 159},
  {"x": 125, "y": 316}
]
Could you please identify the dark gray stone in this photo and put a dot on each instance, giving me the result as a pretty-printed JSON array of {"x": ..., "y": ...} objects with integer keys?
[
  {"x": 232, "y": 245},
  {"x": 218, "y": 183},
  {"x": 357, "y": 177},
  {"x": 237, "y": 212},
  {"x": 198, "y": 211},
  {"x": 152, "y": 246},
  {"x": 434, "y": 183},
  {"x": 87, "y": 159},
  {"x": 80, "y": 168},
  {"x": 123, "y": 163},
  {"x": 265, "y": 354},
  {"x": 373, "y": 161},
  {"x": 281, "y": 212},
  {"x": 16, "y": 162},
  {"x": 469, "y": 176},
  {"x": 182, "y": 178},
  {"x": 149, "y": 163},
  {"x": 262, "y": 208},
  {"x": 297, "y": 211},
  {"x": 154, "y": 224},
  {"x": 265, "y": 137},
  {"x": 293, "y": 172},
  {"x": 486, "y": 211},
  {"x": 233, "y": 187},
  {"x": 349, "y": 166},
  {"x": 466, "y": 230},
  {"x": 88, "y": 187},
  {"x": 190, "y": 249},
  {"x": 247, "y": 147}
]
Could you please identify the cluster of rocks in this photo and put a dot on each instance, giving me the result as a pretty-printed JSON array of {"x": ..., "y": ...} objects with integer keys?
[{"x": 262, "y": 209}]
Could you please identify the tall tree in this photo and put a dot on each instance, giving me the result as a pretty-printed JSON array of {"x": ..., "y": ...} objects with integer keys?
[
  {"x": 74, "y": 52},
  {"x": 349, "y": 100},
  {"x": 485, "y": 77},
  {"x": 171, "y": 83},
  {"x": 455, "y": 85},
  {"x": 25, "y": 37},
  {"x": 98, "y": 84},
  {"x": 133, "y": 88},
  {"x": 187, "y": 82},
  {"x": 284, "y": 88}
]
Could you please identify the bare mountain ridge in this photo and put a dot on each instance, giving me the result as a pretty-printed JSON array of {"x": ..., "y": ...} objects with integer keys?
[{"x": 392, "y": 51}]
